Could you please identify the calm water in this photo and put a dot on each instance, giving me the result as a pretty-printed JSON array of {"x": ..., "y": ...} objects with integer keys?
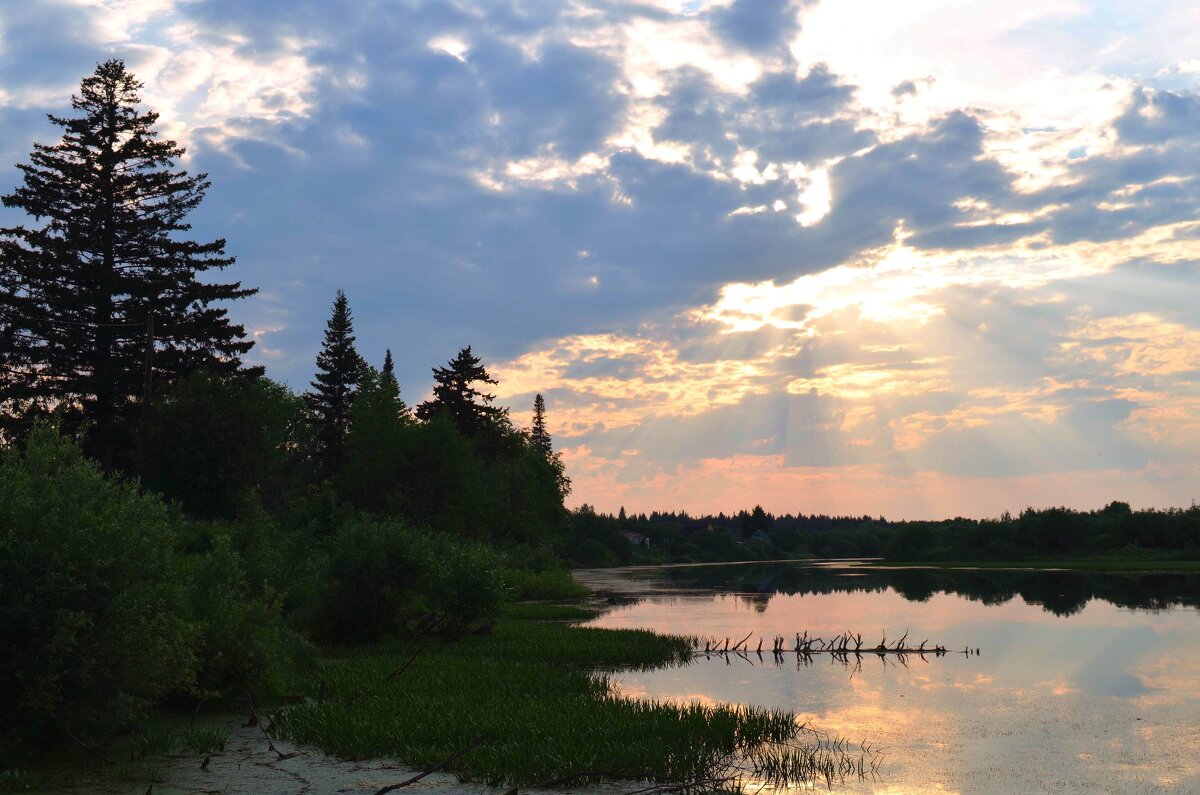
[{"x": 1085, "y": 683}]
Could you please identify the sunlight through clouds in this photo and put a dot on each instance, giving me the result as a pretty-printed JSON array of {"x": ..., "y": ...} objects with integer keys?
[{"x": 937, "y": 255}]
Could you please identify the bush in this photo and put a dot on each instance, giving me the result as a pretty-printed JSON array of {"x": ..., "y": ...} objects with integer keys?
[
  {"x": 89, "y": 595},
  {"x": 242, "y": 643},
  {"x": 466, "y": 585},
  {"x": 387, "y": 578}
]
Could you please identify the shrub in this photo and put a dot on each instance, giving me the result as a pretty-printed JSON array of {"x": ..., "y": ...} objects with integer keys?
[
  {"x": 375, "y": 574},
  {"x": 89, "y": 595},
  {"x": 242, "y": 643},
  {"x": 387, "y": 578},
  {"x": 467, "y": 587}
]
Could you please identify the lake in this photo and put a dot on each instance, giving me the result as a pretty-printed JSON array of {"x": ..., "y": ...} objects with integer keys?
[{"x": 1084, "y": 682}]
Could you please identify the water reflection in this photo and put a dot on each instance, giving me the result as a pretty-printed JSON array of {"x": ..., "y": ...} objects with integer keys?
[
  {"x": 1087, "y": 682},
  {"x": 1061, "y": 592}
]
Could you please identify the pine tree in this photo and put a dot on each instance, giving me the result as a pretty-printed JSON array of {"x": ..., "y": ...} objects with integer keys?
[
  {"x": 339, "y": 371},
  {"x": 389, "y": 384},
  {"x": 99, "y": 298},
  {"x": 453, "y": 394},
  {"x": 539, "y": 435}
]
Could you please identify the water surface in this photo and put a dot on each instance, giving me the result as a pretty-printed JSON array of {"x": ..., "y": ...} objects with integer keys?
[{"x": 1085, "y": 682}]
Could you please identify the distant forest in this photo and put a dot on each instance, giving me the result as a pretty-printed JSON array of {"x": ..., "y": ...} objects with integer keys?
[{"x": 757, "y": 535}]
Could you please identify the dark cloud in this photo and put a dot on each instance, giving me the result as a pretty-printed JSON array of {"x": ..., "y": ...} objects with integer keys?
[
  {"x": 1155, "y": 117},
  {"x": 785, "y": 118},
  {"x": 45, "y": 46},
  {"x": 757, "y": 24}
]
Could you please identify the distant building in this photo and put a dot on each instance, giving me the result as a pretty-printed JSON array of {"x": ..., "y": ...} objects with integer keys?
[
  {"x": 761, "y": 535},
  {"x": 637, "y": 539}
]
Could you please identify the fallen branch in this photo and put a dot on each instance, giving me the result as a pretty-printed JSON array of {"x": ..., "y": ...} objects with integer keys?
[
  {"x": 396, "y": 673},
  {"x": 471, "y": 746}
]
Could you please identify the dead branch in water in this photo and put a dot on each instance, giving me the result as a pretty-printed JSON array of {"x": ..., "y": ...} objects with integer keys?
[{"x": 842, "y": 647}]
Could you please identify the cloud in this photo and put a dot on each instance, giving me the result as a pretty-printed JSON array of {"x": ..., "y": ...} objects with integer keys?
[
  {"x": 820, "y": 238},
  {"x": 757, "y": 24}
]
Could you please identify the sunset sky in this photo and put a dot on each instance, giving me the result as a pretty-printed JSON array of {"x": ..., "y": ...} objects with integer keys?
[{"x": 917, "y": 259}]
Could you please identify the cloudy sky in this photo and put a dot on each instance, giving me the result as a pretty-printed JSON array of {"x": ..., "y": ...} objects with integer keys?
[{"x": 917, "y": 258}]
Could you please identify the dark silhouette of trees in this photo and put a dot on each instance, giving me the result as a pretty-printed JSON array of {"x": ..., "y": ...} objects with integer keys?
[
  {"x": 377, "y": 443},
  {"x": 339, "y": 370},
  {"x": 538, "y": 435},
  {"x": 214, "y": 441},
  {"x": 454, "y": 394},
  {"x": 388, "y": 382},
  {"x": 99, "y": 297}
]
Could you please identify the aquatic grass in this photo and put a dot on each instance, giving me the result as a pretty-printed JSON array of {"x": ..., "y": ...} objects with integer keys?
[
  {"x": 539, "y": 694},
  {"x": 205, "y": 739},
  {"x": 152, "y": 740},
  {"x": 555, "y": 583}
]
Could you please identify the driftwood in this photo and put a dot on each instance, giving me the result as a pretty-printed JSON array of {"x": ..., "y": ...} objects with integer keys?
[
  {"x": 840, "y": 646},
  {"x": 478, "y": 741}
]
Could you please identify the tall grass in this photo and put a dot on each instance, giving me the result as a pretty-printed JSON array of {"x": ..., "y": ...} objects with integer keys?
[{"x": 539, "y": 695}]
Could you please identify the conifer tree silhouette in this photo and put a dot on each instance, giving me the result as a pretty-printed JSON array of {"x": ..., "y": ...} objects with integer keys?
[
  {"x": 389, "y": 384},
  {"x": 339, "y": 370},
  {"x": 99, "y": 296},
  {"x": 455, "y": 395},
  {"x": 538, "y": 434}
]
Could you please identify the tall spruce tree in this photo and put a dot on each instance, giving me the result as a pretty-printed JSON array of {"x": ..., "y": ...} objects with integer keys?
[
  {"x": 99, "y": 296},
  {"x": 387, "y": 380},
  {"x": 454, "y": 394},
  {"x": 339, "y": 371},
  {"x": 538, "y": 434}
]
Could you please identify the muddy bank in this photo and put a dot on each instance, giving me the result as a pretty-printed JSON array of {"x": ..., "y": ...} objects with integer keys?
[{"x": 248, "y": 765}]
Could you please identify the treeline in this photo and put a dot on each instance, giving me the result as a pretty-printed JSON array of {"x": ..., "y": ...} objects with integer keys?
[
  {"x": 673, "y": 537},
  {"x": 1059, "y": 591}
]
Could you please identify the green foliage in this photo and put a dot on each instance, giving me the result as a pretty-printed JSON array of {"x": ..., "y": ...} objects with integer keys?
[
  {"x": 242, "y": 645},
  {"x": 568, "y": 722},
  {"x": 442, "y": 481},
  {"x": 213, "y": 440},
  {"x": 385, "y": 578},
  {"x": 203, "y": 740},
  {"x": 550, "y": 584},
  {"x": 88, "y": 594},
  {"x": 376, "y": 445}
]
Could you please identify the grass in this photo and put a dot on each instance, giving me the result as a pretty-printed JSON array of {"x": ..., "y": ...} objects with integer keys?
[
  {"x": 541, "y": 611},
  {"x": 537, "y": 692},
  {"x": 556, "y": 583},
  {"x": 205, "y": 741},
  {"x": 158, "y": 740}
]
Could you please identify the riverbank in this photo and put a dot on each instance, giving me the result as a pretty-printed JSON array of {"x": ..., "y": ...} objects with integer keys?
[
  {"x": 528, "y": 704},
  {"x": 532, "y": 702}
]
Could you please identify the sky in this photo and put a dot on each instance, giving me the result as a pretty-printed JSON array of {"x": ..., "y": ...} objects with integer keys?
[{"x": 919, "y": 259}]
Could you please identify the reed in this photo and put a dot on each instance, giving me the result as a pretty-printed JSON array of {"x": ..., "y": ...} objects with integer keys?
[{"x": 540, "y": 696}]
